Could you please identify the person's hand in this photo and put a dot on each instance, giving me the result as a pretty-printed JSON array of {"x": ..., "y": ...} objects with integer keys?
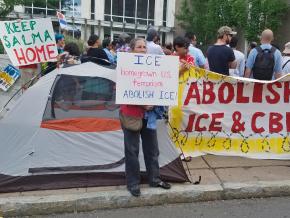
[
  {"x": 148, "y": 107},
  {"x": 184, "y": 64}
]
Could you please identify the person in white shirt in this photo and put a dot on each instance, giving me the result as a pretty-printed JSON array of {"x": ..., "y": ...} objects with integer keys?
[
  {"x": 286, "y": 59},
  {"x": 153, "y": 48},
  {"x": 240, "y": 58}
]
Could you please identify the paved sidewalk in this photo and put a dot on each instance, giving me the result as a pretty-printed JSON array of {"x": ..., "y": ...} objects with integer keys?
[{"x": 222, "y": 178}]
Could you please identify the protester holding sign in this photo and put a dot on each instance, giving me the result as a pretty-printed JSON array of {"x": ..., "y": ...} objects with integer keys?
[
  {"x": 134, "y": 125},
  {"x": 181, "y": 45}
]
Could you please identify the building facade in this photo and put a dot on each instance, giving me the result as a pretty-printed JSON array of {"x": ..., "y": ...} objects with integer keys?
[{"x": 108, "y": 18}]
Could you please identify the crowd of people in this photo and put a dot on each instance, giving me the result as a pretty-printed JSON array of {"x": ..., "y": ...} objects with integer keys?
[
  {"x": 263, "y": 62},
  {"x": 222, "y": 57}
]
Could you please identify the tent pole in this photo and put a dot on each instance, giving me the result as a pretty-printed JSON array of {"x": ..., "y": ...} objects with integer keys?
[{"x": 187, "y": 167}]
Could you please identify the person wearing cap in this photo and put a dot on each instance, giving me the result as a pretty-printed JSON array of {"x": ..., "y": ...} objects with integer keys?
[
  {"x": 153, "y": 48},
  {"x": 286, "y": 59},
  {"x": 254, "y": 69},
  {"x": 221, "y": 57}
]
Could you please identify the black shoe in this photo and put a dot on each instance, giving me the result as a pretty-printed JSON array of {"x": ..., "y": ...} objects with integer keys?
[
  {"x": 135, "y": 191},
  {"x": 161, "y": 184}
]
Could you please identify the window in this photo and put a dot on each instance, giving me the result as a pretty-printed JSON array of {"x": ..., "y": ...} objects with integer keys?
[
  {"x": 142, "y": 9},
  {"x": 130, "y": 7},
  {"x": 108, "y": 10},
  {"x": 127, "y": 11},
  {"x": 117, "y": 10},
  {"x": 164, "y": 12},
  {"x": 49, "y": 7},
  {"x": 79, "y": 96},
  {"x": 151, "y": 9},
  {"x": 71, "y": 8}
]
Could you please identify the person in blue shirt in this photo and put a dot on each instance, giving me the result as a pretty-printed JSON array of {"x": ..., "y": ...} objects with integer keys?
[
  {"x": 199, "y": 59},
  {"x": 107, "y": 47},
  {"x": 266, "y": 38}
]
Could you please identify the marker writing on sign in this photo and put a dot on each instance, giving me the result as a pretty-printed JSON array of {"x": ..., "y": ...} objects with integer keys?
[
  {"x": 147, "y": 60},
  {"x": 138, "y": 94},
  {"x": 168, "y": 95}
]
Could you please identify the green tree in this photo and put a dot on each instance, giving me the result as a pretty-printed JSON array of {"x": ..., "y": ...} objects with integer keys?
[
  {"x": 264, "y": 14},
  {"x": 6, "y": 6},
  {"x": 251, "y": 16}
]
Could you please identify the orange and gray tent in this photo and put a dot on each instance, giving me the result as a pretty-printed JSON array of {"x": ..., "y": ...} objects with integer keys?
[{"x": 64, "y": 132}]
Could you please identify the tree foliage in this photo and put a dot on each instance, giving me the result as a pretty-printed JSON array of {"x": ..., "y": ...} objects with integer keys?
[
  {"x": 251, "y": 16},
  {"x": 6, "y": 6}
]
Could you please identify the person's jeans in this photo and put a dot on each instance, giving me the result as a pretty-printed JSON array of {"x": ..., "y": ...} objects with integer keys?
[{"x": 150, "y": 151}]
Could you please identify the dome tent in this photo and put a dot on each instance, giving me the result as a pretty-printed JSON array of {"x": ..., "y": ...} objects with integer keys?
[{"x": 64, "y": 132}]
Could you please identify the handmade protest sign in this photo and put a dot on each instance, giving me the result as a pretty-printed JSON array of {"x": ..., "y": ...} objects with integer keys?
[
  {"x": 231, "y": 116},
  {"x": 28, "y": 41},
  {"x": 8, "y": 77},
  {"x": 144, "y": 79}
]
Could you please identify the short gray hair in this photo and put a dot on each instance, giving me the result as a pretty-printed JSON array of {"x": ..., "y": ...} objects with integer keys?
[{"x": 134, "y": 41}]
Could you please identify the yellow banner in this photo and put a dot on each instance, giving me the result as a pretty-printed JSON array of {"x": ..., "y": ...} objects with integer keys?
[{"x": 231, "y": 116}]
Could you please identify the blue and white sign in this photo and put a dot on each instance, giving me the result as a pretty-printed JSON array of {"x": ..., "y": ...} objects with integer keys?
[{"x": 8, "y": 77}]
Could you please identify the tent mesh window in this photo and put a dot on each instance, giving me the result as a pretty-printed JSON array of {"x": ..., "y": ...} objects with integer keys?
[{"x": 79, "y": 96}]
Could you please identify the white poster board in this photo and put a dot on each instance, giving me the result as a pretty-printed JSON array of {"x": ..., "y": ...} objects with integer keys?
[
  {"x": 28, "y": 41},
  {"x": 144, "y": 79}
]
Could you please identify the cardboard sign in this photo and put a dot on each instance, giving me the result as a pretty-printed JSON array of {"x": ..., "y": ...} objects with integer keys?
[
  {"x": 28, "y": 41},
  {"x": 144, "y": 79},
  {"x": 224, "y": 115},
  {"x": 8, "y": 77}
]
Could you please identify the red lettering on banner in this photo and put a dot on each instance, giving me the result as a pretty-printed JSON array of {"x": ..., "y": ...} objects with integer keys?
[
  {"x": 240, "y": 91},
  {"x": 254, "y": 122},
  {"x": 50, "y": 51},
  {"x": 193, "y": 93},
  {"x": 288, "y": 121},
  {"x": 221, "y": 93},
  {"x": 275, "y": 125},
  {"x": 286, "y": 92},
  {"x": 208, "y": 92},
  {"x": 190, "y": 123},
  {"x": 215, "y": 124},
  {"x": 197, "y": 123},
  {"x": 35, "y": 54},
  {"x": 276, "y": 96},
  {"x": 20, "y": 58},
  {"x": 40, "y": 51},
  {"x": 258, "y": 92},
  {"x": 28, "y": 57}
]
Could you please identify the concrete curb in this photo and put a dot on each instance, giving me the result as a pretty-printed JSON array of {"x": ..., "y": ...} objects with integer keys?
[{"x": 85, "y": 202}]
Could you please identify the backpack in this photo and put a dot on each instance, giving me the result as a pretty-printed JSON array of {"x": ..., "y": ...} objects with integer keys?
[{"x": 264, "y": 64}]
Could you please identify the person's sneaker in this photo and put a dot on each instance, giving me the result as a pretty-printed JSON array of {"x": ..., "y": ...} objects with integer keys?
[
  {"x": 135, "y": 191},
  {"x": 161, "y": 184}
]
